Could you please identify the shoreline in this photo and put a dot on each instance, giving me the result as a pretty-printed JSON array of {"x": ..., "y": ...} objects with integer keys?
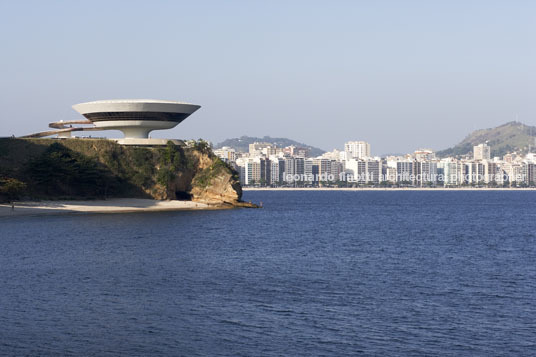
[
  {"x": 386, "y": 189},
  {"x": 119, "y": 205}
]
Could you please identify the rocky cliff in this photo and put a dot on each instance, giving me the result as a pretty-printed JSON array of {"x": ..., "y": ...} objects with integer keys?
[{"x": 90, "y": 169}]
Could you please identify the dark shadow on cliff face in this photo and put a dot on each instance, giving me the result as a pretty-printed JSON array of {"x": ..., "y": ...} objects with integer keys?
[
  {"x": 62, "y": 172},
  {"x": 50, "y": 170},
  {"x": 238, "y": 188}
]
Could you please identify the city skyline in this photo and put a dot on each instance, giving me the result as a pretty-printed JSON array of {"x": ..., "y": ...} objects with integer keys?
[{"x": 268, "y": 165}]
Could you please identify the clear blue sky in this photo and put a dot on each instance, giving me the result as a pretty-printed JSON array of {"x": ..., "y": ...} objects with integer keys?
[{"x": 399, "y": 74}]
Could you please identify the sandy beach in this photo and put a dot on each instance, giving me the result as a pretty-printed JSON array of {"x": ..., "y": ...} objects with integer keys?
[
  {"x": 384, "y": 189},
  {"x": 121, "y": 205}
]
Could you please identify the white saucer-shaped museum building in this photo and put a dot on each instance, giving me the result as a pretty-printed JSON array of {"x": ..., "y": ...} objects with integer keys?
[{"x": 136, "y": 118}]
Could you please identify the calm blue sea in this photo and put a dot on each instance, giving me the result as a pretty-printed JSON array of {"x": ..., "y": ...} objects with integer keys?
[{"x": 311, "y": 274}]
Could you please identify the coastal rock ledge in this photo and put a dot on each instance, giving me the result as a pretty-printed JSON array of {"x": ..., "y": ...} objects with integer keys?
[{"x": 75, "y": 169}]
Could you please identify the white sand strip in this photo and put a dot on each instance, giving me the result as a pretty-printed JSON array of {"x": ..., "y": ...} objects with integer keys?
[
  {"x": 99, "y": 206},
  {"x": 385, "y": 189}
]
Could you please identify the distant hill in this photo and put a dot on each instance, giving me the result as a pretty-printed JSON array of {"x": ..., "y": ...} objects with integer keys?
[
  {"x": 242, "y": 144},
  {"x": 509, "y": 137}
]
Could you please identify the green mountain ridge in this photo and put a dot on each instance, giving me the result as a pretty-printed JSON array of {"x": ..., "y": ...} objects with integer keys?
[
  {"x": 242, "y": 144},
  {"x": 509, "y": 137}
]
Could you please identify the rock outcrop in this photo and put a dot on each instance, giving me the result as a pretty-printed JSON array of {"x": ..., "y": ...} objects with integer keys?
[{"x": 86, "y": 168}]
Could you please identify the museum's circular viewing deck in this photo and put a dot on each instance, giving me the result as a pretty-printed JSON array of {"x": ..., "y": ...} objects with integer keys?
[{"x": 136, "y": 118}]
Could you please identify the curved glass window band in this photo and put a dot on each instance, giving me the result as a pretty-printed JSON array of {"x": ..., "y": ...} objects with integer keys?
[{"x": 154, "y": 116}]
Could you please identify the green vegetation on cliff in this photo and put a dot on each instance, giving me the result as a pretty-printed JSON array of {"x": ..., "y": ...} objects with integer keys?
[
  {"x": 87, "y": 169},
  {"x": 11, "y": 189},
  {"x": 204, "y": 177}
]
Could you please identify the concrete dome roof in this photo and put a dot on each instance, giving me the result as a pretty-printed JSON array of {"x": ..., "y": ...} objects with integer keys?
[{"x": 135, "y": 105}]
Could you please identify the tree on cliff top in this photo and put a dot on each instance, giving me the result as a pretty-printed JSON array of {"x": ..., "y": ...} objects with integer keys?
[{"x": 11, "y": 188}]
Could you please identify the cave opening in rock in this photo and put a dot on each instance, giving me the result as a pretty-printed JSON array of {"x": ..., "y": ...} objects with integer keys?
[{"x": 183, "y": 196}]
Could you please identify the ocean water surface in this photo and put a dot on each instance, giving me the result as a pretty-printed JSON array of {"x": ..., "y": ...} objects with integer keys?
[{"x": 312, "y": 273}]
